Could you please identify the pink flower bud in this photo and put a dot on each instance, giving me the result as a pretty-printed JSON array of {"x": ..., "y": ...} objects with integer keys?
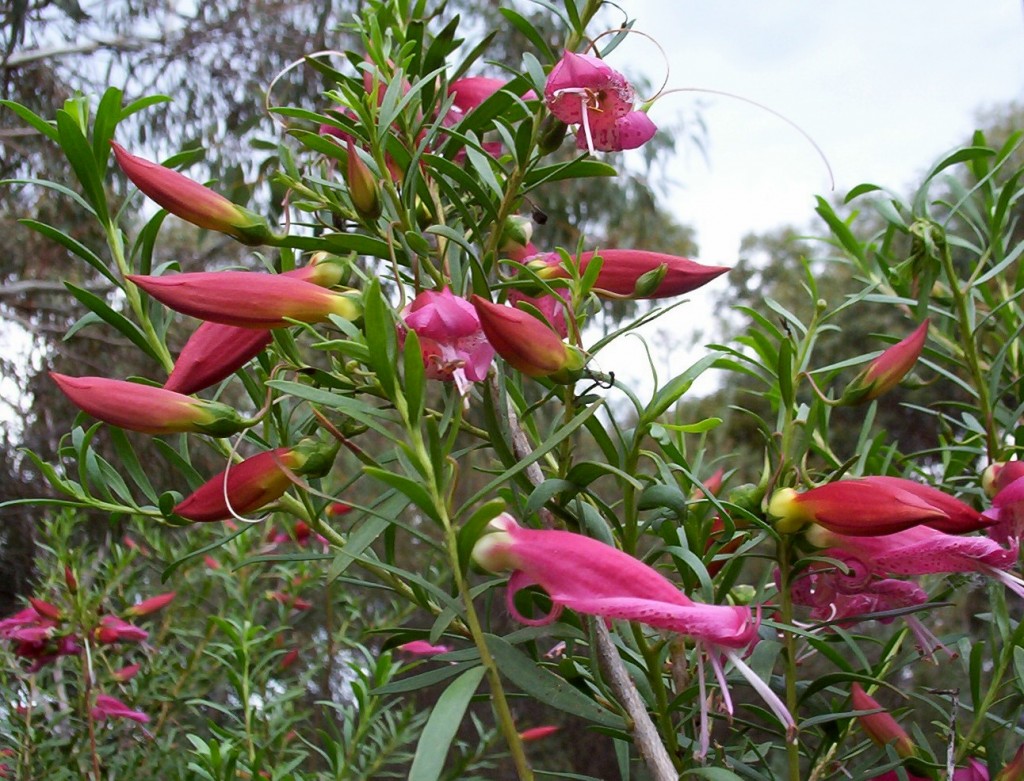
[
  {"x": 70, "y": 580},
  {"x": 248, "y": 299},
  {"x": 885, "y": 372},
  {"x": 255, "y": 482},
  {"x": 422, "y": 648},
  {"x": 191, "y": 201},
  {"x": 870, "y": 506},
  {"x": 881, "y": 727},
  {"x": 46, "y": 610},
  {"x": 151, "y": 605},
  {"x": 151, "y": 410},
  {"x": 1014, "y": 769},
  {"x": 527, "y": 344},
  {"x": 635, "y": 274}
]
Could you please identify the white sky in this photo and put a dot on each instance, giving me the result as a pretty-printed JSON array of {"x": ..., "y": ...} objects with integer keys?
[{"x": 884, "y": 87}]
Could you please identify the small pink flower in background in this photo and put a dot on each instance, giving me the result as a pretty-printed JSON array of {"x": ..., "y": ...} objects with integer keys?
[
  {"x": 538, "y": 733},
  {"x": 583, "y": 90},
  {"x": 114, "y": 630},
  {"x": 289, "y": 659},
  {"x": 335, "y": 509},
  {"x": 126, "y": 673},
  {"x": 593, "y": 578},
  {"x": 151, "y": 605},
  {"x": 211, "y": 562},
  {"x": 885, "y": 372},
  {"x": 289, "y": 600},
  {"x": 423, "y": 648},
  {"x": 108, "y": 707},
  {"x": 451, "y": 339}
]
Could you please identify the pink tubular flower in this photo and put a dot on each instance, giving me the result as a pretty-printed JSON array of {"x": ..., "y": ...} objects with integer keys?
[
  {"x": 870, "y": 506},
  {"x": 126, "y": 673},
  {"x": 255, "y": 482},
  {"x": 423, "y": 648},
  {"x": 191, "y": 201},
  {"x": 248, "y": 299},
  {"x": 471, "y": 91},
  {"x": 591, "y": 577},
  {"x": 1007, "y": 510},
  {"x": 880, "y": 726},
  {"x": 885, "y": 372},
  {"x": 527, "y": 344},
  {"x": 362, "y": 186},
  {"x": 151, "y": 605},
  {"x": 921, "y": 551},
  {"x": 151, "y": 410},
  {"x": 108, "y": 707},
  {"x": 583, "y": 90},
  {"x": 451, "y": 339},
  {"x": 634, "y": 273}
]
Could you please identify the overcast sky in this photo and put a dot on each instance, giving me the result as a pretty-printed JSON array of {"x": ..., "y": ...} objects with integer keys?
[{"x": 883, "y": 86}]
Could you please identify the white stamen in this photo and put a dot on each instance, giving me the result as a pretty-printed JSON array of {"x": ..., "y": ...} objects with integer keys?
[{"x": 770, "y": 698}]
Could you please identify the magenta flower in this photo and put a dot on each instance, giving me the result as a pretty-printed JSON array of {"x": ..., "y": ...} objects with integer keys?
[
  {"x": 591, "y": 577},
  {"x": 108, "y": 707},
  {"x": 1007, "y": 510},
  {"x": 921, "y": 551},
  {"x": 583, "y": 90},
  {"x": 452, "y": 342}
]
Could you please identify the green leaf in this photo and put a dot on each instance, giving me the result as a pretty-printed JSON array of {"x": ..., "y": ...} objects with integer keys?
[
  {"x": 380, "y": 337},
  {"x": 413, "y": 489},
  {"x": 675, "y": 388},
  {"x": 130, "y": 463},
  {"x": 529, "y": 32},
  {"x": 441, "y": 726},
  {"x": 72, "y": 245},
  {"x": 545, "y": 686},
  {"x": 80, "y": 155},
  {"x": 29, "y": 117},
  {"x": 415, "y": 377},
  {"x": 546, "y": 490},
  {"x": 108, "y": 114},
  {"x": 1018, "y": 666},
  {"x": 125, "y": 326},
  {"x": 580, "y": 168},
  {"x": 712, "y": 773},
  {"x": 699, "y": 427},
  {"x": 423, "y": 680}
]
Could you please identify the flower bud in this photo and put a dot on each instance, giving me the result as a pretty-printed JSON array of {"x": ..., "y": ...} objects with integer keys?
[
  {"x": 362, "y": 186},
  {"x": 881, "y": 727},
  {"x": 858, "y": 507},
  {"x": 148, "y": 409},
  {"x": 1014, "y": 769},
  {"x": 46, "y": 610},
  {"x": 70, "y": 580},
  {"x": 885, "y": 372},
  {"x": 527, "y": 344},
  {"x": 515, "y": 238},
  {"x": 256, "y": 481},
  {"x": 552, "y": 134},
  {"x": 191, "y": 201},
  {"x": 126, "y": 673},
  {"x": 151, "y": 605},
  {"x": 249, "y": 299}
]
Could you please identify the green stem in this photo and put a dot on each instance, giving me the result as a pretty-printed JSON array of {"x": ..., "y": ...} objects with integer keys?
[
  {"x": 789, "y": 645},
  {"x": 970, "y": 353}
]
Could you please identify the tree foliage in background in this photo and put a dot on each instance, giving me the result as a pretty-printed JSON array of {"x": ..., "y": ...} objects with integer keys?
[{"x": 348, "y": 614}]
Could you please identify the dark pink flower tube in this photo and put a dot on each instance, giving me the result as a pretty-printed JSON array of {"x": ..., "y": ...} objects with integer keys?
[
  {"x": 248, "y": 299},
  {"x": 879, "y": 724},
  {"x": 422, "y": 648},
  {"x": 213, "y": 353},
  {"x": 527, "y": 344},
  {"x": 958, "y": 517},
  {"x": 885, "y": 372},
  {"x": 192, "y": 201},
  {"x": 148, "y": 409},
  {"x": 114, "y": 630},
  {"x": 634, "y": 273},
  {"x": 151, "y": 605},
  {"x": 255, "y": 482}
]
